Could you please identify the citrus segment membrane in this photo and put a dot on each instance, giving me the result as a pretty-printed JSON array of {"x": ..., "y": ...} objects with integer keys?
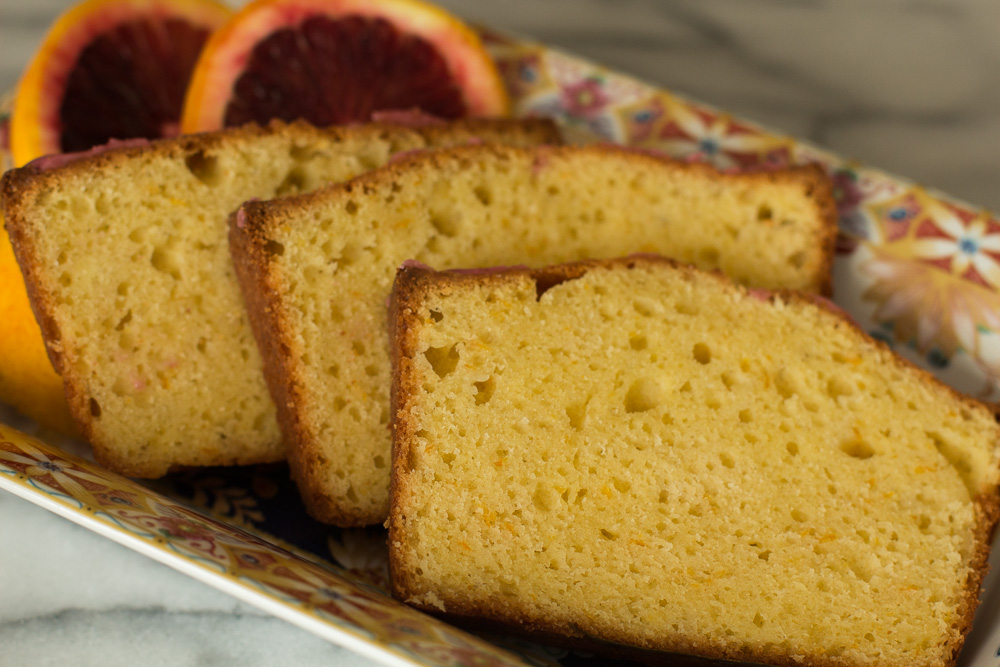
[
  {"x": 283, "y": 74},
  {"x": 110, "y": 69},
  {"x": 339, "y": 61},
  {"x": 130, "y": 82}
]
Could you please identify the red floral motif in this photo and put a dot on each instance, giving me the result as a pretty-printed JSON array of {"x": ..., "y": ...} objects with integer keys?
[
  {"x": 239, "y": 504},
  {"x": 256, "y": 560},
  {"x": 846, "y": 192},
  {"x": 963, "y": 244},
  {"x": 525, "y": 75},
  {"x": 212, "y": 523},
  {"x": 935, "y": 272},
  {"x": 895, "y": 215},
  {"x": 51, "y": 469},
  {"x": 176, "y": 527},
  {"x": 180, "y": 533},
  {"x": 363, "y": 555},
  {"x": 948, "y": 237},
  {"x": 699, "y": 135},
  {"x": 585, "y": 98},
  {"x": 114, "y": 498},
  {"x": 931, "y": 307},
  {"x": 335, "y": 596},
  {"x": 643, "y": 121}
]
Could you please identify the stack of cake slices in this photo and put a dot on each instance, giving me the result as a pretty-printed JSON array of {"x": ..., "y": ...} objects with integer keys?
[
  {"x": 649, "y": 432},
  {"x": 127, "y": 265},
  {"x": 317, "y": 270}
]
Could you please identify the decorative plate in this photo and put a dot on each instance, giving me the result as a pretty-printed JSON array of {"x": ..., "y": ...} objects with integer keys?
[{"x": 914, "y": 268}]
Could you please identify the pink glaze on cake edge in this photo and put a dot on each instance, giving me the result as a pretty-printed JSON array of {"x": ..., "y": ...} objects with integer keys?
[
  {"x": 56, "y": 160},
  {"x": 407, "y": 117}
]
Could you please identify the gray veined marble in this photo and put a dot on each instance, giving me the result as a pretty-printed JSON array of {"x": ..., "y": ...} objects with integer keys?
[
  {"x": 912, "y": 87},
  {"x": 71, "y": 597}
]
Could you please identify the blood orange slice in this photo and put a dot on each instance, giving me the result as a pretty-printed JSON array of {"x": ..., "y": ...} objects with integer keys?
[
  {"x": 110, "y": 69},
  {"x": 107, "y": 69},
  {"x": 339, "y": 61}
]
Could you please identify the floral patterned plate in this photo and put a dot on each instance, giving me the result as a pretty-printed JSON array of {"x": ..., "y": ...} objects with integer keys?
[{"x": 914, "y": 268}]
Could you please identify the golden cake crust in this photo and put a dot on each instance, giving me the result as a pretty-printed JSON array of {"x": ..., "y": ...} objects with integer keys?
[
  {"x": 811, "y": 176},
  {"x": 269, "y": 321}
]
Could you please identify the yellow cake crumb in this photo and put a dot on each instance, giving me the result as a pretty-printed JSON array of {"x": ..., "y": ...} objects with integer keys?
[
  {"x": 661, "y": 494},
  {"x": 316, "y": 270},
  {"x": 127, "y": 261}
]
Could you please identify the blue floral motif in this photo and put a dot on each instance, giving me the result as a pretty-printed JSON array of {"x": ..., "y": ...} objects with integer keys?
[
  {"x": 331, "y": 593},
  {"x": 708, "y": 145},
  {"x": 528, "y": 73},
  {"x": 643, "y": 116},
  {"x": 937, "y": 359},
  {"x": 402, "y": 628},
  {"x": 900, "y": 214}
]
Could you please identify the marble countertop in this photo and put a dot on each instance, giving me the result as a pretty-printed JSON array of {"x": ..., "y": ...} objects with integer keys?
[{"x": 912, "y": 87}]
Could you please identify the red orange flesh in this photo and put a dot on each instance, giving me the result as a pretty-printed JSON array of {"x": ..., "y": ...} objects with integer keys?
[
  {"x": 50, "y": 108},
  {"x": 141, "y": 44},
  {"x": 287, "y": 58}
]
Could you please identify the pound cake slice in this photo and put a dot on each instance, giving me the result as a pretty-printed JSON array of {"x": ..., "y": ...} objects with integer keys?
[
  {"x": 316, "y": 270},
  {"x": 635, "y": 452},
  {"x": 125, "y": 257}
]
